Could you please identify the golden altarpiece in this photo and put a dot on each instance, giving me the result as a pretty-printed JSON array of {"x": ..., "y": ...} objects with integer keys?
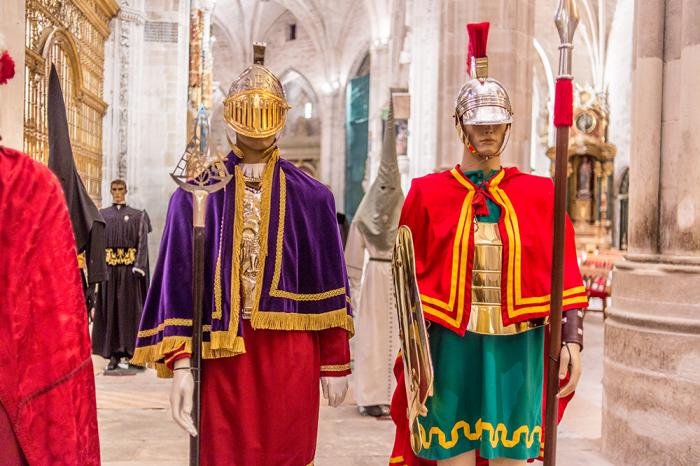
[
  {"x": 70, "y": 34},
  {"x": 590, "y": 171}
]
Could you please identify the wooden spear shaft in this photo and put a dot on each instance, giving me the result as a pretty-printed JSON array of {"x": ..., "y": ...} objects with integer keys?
[
  {"x": 199, "y": 198},
  {"x": 566, "y": 20},
  {"x": 550, "y": 439}
]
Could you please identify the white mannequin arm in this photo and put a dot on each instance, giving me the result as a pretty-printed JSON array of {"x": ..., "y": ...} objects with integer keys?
[
  {"x": 181, "y": 393},
  {"x": 334, "y": 389}
]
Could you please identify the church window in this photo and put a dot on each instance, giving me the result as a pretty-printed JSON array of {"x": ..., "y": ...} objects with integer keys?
[{"x": 291, "y": 31}]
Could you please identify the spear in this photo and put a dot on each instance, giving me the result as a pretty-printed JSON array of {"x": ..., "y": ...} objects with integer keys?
[
  {"x": 200, "y": 174},
  {"x": 566, "y": 20}
]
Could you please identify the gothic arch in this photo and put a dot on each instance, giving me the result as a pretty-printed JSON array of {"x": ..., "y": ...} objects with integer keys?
[
  {"x": 301, "y": 138},
  {"x": 291, "y": 74},
  {"x": 360, "y": 64},
  {"x": 59, "y": 47}
]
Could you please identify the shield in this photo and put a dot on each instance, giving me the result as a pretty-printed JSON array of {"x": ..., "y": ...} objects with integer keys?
[{"x": 417, "y": 364}]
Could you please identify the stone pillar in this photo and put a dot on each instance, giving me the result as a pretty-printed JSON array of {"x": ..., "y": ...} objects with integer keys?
[
  {"x": 647, "y": 79},
  {"x": 332, "y": 167},
  {"x": 379, "y": 84},
  {"x": 385, "y": 73},
  {"x": 651, "y": 415},
  {"x": 440, "y": 48},
  {"x": 511, "y": 57},
  {"x": 147, "y": 75},
  {"x": 12, "y": 93},
  {"x": 123, "y": 88},
  {"x": 423, "y": 87}
]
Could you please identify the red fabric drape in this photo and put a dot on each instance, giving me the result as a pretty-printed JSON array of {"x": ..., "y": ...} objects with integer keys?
[{"x": 46, "y": 376}]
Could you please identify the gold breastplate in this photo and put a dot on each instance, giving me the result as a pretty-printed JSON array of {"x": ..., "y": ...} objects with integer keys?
[
  {"x": 485, "y": 316},
  {"x": 250, "y": 247}
]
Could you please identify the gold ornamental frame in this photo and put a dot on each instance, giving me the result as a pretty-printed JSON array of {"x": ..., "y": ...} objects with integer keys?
[{"x": 71, "y": 34}]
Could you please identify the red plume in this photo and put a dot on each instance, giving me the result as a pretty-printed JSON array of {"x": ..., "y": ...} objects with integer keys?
[
  {"x": 7, "y": 67},
  {"x": 478, "y": 36}
]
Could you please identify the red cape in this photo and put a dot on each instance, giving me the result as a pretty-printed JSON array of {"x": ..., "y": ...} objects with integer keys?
[
  {"x": 47, "y": 385},
  {"x": 439, "y": 212}
]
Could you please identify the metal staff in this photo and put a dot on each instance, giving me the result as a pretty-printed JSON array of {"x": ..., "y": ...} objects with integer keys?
[
  {"x": 197, "y": 173},
  {"x": 566, "y": 19}
]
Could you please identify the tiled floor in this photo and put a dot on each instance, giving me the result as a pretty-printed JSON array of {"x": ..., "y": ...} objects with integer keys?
[{"x": 136, "y": 430}]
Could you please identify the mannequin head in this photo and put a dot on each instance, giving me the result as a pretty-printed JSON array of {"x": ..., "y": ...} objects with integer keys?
[
  {"x": 118, "y": 190},
  {"x": 487, "y": 140}
]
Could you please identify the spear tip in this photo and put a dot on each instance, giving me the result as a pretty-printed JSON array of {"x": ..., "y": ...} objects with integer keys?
[{"x": 566, "y": 19}]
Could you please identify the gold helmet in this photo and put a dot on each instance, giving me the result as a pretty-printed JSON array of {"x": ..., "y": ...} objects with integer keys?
[
  {"x": 481, "y": 100},
  {"x": 255, "y": 105}
]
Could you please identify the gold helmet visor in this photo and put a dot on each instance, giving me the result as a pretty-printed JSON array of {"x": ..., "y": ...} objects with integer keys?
[
  {"x": 256, "y": 105},
  {"x": 255, "y": 114}
]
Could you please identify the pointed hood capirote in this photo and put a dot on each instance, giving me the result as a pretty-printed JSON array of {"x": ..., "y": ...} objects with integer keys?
[
  {"x": 88, "y": 224},
  {"x": 378, "y": 214},
  {"x": 83, "y": 211}
]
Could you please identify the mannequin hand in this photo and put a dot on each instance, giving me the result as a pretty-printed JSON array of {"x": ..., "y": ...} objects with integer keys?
[
  {"x": 570, "y": 359},
  {"x": 181, "y": 393},
  {"x": 334, "y": 389},
  {"x": 138, "y": 271}
]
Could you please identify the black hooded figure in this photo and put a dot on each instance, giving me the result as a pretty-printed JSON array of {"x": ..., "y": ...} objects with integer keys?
[{"x": 88, "y": 224}]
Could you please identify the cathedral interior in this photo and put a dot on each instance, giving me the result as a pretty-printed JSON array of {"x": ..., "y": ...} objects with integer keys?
[{"x": 134, "y": 72}]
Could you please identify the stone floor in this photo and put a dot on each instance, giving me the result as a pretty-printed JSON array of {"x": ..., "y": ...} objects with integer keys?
[{"x": 136, "y": 430}]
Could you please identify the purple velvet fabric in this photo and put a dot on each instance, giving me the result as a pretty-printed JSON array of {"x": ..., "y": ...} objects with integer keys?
[{"x": 312, "y": 257}]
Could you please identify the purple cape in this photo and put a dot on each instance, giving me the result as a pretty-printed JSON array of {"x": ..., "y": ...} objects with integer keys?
[{"x": 303, "y": 276}]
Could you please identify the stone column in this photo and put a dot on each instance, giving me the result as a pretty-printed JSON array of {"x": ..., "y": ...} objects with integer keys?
[
  {"x": 146, "y": 89},
  {"x": 647, "y": 79},
  {"x": 511, "y": 58},
  {"x": 379, "y": 84},
  {"x": 12, "y": 93},
  {"x": 440, "y": 48},
  {"x": 423, "y": 87},
  {"x": 123, "y": 80},
  {"x": 651, "y": 414},
  {"x": 332, "y": 167}
]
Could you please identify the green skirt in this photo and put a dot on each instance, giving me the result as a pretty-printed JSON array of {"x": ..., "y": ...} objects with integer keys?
[{"x": 488, "y": 395}]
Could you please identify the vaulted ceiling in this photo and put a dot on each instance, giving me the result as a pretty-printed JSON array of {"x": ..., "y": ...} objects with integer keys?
[{"x": 335, "y": 28}]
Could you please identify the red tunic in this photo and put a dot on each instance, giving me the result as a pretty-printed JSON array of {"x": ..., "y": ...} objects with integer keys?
[
  {"x": 47, "y": 386},
  {"x": 261, "y": 407}
]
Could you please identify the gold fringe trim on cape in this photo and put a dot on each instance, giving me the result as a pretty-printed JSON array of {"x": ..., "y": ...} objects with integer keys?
[
  {"x": 239, "y": 179},
  {"x": 289, "y": 321},
  {"x": 154, "y": 354}
]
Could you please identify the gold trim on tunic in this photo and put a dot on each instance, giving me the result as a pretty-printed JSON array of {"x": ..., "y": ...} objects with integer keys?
[{"x": 120, "y": 256}]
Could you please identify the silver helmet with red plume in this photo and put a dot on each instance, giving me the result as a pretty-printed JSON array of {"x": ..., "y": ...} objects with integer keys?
[{"x": 481, "y": 100}]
